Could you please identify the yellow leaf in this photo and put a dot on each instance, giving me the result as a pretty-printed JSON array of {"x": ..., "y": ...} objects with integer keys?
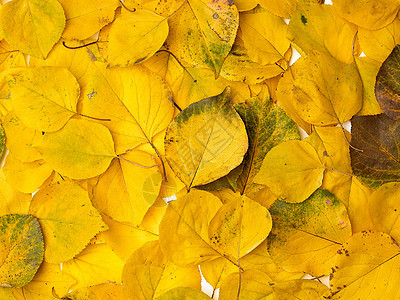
[
  {"x": 305, "y": 236},
  {"x": 358, "y": 206},
  {"x": 134, "y": 37},
  {"x": 384, "y": 209},
  {"x": 125, "y": 238},
  {"x": 239, "y": 226},
  {"x": 26, "y": 177},
  {"x": 264, "y": 36},
  {"x": 6, "y": 294},
  {"x": 85, "y": 18},
  {"x": 202, "y": 32},
  {"x": 332, "y": 149},
  {"x": 377, "y": 44},
  {"x": 319, "y": 85},
  {"x": 32, "y": 26},
  {"x": 128, "y": 188},
  {"x": 184, "y": 293},
  {"x": 136, "y": 101},
  {"x": 12, "y": 201},
  {"x": 206, "y": 141},
  {"x": 316, "y": 27},
  {"x": 99, "y": 292},
  {"x": 188, "y": 85},
  {"x": 289, "y": 166},
  {"x": 160, "y": 7},
  {"x": 152, "y": 219},
  {"x": 48, "y": 280},
  {"x": 81, "y": 149},
  {"x": 215, "y": 271},
  {"x": 148, "y": 274},
  {"x": 284, "y": 96},
  {"x": 20, "y": 138},
  {"x": 94, "y": 265},
  {"x": 238, "y": 65},
  {"x": 366, "y": 266},
  {"x": 10, "y": 57},
  {"x": 243, "y": 5},
  {"x": 189, "y": 217},
  {"x": 21, "y": 249},
  {"x": 68, "y": 219},
  {"x": 44, "y": 98},
  {"x": 369, "y": 14},
  {"x": 260, "y": 259},
  {"x": 249, "y": 285},
  {"x": 300, "y": 289},
  {"x": 284, "y": 8},
  {"x": 368, "y": 69}
]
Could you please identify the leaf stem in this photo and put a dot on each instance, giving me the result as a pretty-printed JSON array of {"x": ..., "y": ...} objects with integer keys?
[
  {"x": 123, "y": 5},
  {"x": 341, "y": 172},
  {"x": 94, "y": 118},
  {"x": 81, "y": 46}
]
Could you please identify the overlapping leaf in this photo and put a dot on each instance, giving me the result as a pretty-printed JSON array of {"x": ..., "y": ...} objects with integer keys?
[
  {"x": 42, "y": 25},
  {"x": 21, "y": 248},
  {"x": 206, "y": 141}
]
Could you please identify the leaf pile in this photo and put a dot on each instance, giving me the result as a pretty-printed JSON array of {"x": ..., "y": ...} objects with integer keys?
[{"x": 111, "y": 109}]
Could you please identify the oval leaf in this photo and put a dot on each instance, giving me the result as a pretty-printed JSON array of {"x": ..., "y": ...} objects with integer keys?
[
  {"x": 21, "y": 249},
  {"x": 202, "y": 32},
  {"x": 206, "y": 141},
  {"x": 189, "y": 217},
  {"x": 44, "y": 98},
  {"x": 378, "y": 138},
  {"x": 68, "y": 219},
  {"x": 305, "y": 236},
  {"x": 81, "y": 149},
  {"x": 134, "y": 37},
  {"x": 32, "y": 26},
  {"x": 289, "y": 165}
]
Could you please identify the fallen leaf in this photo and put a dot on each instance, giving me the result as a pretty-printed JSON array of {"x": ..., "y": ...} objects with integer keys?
[
  {"x": 148, "y": 274},
  {"x": 365, "y": 266},
  {"x": 387, "y": 88},
  {"x": 35, "y": 26},
  {"x": 67, "y": 218},
  {"x": 202, "y": 32},
  {"x": 21, "y": 249},
  {"x": 206, "y": 141},
  {"x": 145, "y": 31},
  {"x": 289, "y": 165},
  {"x": 376, "y": 137},
  {"x": 305, "y": 236},
  {"x": 81, "y": 149},
  {"x": 85, "y": 18},
  {"x": 368, "y": 14},
  {"x": 267, "y": 126}
]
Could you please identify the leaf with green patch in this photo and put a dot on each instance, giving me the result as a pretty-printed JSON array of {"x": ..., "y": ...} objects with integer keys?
[
  {"x": 21, "y": 249},
  {"x": 202, "y": 32},
  {"x": 206, "y": 141},
  {"x": 267, "y": 126},
  {"x": 305, "y": 236}
]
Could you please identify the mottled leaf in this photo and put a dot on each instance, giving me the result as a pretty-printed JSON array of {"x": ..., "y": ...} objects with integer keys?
[{"x": 21, "y": 249}]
